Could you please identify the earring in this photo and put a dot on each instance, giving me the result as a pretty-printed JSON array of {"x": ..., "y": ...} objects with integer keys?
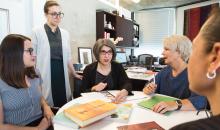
[{"x": 211, "y": 75}]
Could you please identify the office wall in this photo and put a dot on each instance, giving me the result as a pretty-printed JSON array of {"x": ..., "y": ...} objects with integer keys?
[
  {"x": 180, "y": 14},
  {"x": 20, "y": 15},
  {"x": 38, "y": 18},
  {"x": 80, "y": 20}
]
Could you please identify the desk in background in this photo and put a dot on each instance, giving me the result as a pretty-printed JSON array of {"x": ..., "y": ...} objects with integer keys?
[
  {"x": 139, "y": 77},
  {"x": 138, "y": 115}
]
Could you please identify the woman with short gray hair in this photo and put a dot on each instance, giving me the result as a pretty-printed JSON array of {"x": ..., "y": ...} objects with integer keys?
[
  {"x": 179, "y": 43},
  {"x": 173, "y": 80},
  {"x": 106, "y": 74}
]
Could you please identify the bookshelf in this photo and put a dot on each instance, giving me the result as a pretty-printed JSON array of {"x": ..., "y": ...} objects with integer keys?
[{"x": 111, "y": 26}]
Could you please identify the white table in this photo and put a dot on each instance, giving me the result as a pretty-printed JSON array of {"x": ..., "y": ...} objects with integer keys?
[{"x": 138, "y": 115}]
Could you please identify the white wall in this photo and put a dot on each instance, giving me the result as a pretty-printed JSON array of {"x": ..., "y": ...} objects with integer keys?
[
  {"x": 19, "y": 15},
  {"x": 80, "y": 20},
  {"x": 37, "y": 8},
  {"x": 180, "y": 14}
]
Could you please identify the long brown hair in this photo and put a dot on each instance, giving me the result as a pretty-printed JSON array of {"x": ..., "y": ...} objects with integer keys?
[{"x": 12, "y": 68}]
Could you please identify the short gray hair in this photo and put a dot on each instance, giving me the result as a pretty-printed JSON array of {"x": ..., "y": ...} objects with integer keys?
[
  {"x": 103, "y": 42},
  {"x": 181, "y": 44}
]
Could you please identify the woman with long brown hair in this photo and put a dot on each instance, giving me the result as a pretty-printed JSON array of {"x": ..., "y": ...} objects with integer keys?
[{"x": 21, "y": 101}]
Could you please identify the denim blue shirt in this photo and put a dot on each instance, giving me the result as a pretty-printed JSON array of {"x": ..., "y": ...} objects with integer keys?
[{"x": 178, "y": 87}]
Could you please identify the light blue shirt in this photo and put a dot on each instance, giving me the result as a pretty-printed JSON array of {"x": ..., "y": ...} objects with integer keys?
[{"x": 21, "y": 106}]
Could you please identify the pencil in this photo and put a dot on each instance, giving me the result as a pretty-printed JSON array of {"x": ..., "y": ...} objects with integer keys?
[{"x": 110, "y": 93}]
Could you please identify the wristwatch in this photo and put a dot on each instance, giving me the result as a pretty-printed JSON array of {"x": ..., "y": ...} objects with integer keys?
[{"x": 179, "y": 104}]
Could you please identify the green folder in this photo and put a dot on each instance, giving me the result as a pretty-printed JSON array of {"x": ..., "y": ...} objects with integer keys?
[{"x": 154, "y": 100}]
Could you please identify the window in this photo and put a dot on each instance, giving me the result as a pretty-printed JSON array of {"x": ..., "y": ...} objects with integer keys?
[{"x": 155, "y": 25}]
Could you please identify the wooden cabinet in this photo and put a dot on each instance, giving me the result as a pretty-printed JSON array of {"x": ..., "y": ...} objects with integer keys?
[
  {"x": 124, "y": 28},
  {"x": 105, "y": 25},
  {"x": 112, "y": 26}
]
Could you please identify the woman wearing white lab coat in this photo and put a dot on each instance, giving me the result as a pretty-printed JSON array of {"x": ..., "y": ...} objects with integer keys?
[{"x": 42, "y": 46}]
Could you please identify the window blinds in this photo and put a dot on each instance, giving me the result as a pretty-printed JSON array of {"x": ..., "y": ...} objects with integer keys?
[{"x": 155, "y": 25}]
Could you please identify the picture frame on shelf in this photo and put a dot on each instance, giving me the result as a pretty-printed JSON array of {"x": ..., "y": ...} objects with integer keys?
[{"x": 85, "y": 55}]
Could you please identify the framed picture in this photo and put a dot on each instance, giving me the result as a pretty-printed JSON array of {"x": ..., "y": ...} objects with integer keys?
[
  {"x": 4, "y": 24},
  {"x": 85, "y": 55}
]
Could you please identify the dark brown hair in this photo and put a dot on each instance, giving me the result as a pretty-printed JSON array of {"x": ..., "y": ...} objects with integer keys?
[
  {"x": 48, "y": 4},
  {"x": 103, "y": 42},
  {"x": 12, "y": 68},
  {"x": 211, "y": 30}
]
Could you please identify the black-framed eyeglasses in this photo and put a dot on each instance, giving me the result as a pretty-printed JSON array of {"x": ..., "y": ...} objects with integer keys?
[
  {"x": 55, "y": 14},
  {"x": 106, "y": 52},
  {"x": 30, "y": 51}
]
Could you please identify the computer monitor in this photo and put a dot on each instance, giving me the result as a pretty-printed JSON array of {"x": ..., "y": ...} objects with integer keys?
[{"x": 121, "y": 57}]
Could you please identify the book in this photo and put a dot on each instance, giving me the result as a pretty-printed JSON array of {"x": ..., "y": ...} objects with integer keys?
[
  {"x": 123, "y": 113},
  {"x": 154, "y": 100},
  {"x": 142, "y": 126},
  {"x": 61, "y": 119},
  {"x": 87, "y": 113}
]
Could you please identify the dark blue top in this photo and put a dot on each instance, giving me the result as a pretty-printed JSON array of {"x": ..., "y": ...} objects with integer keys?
[
  {"x": 178, "y": 87},
  {"x": 55, "y": 42}
]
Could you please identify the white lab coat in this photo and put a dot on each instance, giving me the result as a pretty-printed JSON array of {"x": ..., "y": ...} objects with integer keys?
[{"x": 42, "y": 50}]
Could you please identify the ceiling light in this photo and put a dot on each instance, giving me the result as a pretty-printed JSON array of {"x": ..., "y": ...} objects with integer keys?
[{"x": 136, "y": 1}]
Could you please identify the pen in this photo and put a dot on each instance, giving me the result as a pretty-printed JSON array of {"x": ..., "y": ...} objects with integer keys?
[
  {"x": 152, "y": 80},
  {"x": 107, "y": 93},
  {"x": 110, "y": 93}
]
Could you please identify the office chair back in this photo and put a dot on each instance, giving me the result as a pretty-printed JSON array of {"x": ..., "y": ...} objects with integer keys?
[{"x": 146, "y": 60}]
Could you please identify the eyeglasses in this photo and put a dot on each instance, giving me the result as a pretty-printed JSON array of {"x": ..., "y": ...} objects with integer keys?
[
  {"x": 55, "y": 14},
  {"x": 30, "y": 51},
  {"x": 106, "y": 52}
]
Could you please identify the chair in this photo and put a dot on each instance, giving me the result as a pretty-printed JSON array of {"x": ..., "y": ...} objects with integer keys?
[
  {"x": 161, "y": 61},
  {"x": 146, "y": 60},
  {"x": 77, "y": 83}
]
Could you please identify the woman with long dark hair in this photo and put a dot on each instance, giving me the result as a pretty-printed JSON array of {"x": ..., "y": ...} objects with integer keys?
[{"x": 22, "y": 106}]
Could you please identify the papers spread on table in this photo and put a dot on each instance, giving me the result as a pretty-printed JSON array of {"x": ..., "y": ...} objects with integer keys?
[
  {"x": 87, "y": 113},
  {"x": 103, "y": 95},
  {"x": 142, "y": 126},
  {"x": 149, "y": 103}
]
